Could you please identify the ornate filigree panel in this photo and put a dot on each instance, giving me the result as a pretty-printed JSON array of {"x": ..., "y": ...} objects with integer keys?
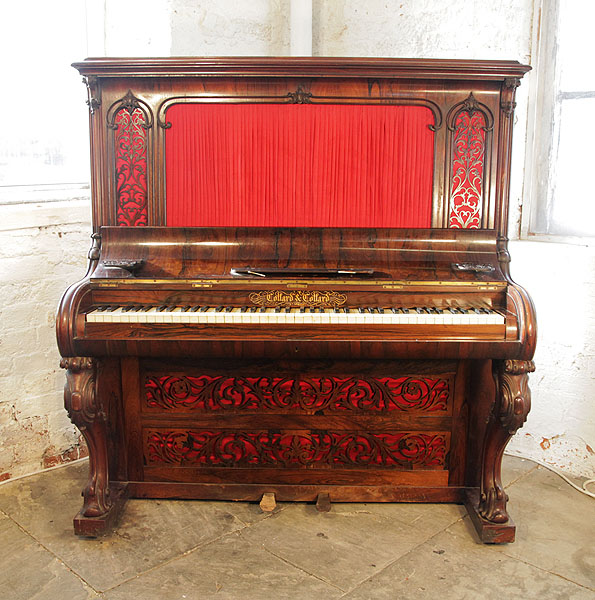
[
  {"x": 467, "y": 172},
  {"x": 131, "y": 167},
  {"x": 322, "y": 449},
  {"x": 205, "y": 392},
  {"x": 130, "y": 118}
]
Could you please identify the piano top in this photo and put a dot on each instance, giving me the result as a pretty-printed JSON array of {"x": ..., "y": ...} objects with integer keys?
[{"x": 245, "y": 66}]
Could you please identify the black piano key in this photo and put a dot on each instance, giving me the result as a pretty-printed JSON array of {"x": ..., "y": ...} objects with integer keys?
[
  {"x": 228, "y": 308},
  {"x": 219, "y": 309},
  {"x": 186, "y": 308},
  {"x": 243, "y": 309},
  {"x": 147, "y": 308},
  {"x": 102, "y": 308}
]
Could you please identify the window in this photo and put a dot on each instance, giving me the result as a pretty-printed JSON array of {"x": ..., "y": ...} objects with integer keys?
[
  {"x": 44, "y": 133},
  {"x": 563, "y": 195}
]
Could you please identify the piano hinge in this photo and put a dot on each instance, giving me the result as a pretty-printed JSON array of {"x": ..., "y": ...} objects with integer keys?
[
  {"x": 202, "y": 285},
  {"x": 392, "y": 287}
]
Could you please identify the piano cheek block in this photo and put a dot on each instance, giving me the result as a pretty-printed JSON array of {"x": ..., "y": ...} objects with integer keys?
[{"x": 366, "y": 345}]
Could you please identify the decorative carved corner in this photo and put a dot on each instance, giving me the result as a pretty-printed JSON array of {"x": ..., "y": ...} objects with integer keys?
[
  {"x": 511, "y": 408},
  {"x": 502, "y": 253},
  {"x": 300, "y": 96},
  {"x": 507, "y": 103},
  {"x": 95, "y": 250},
  {"x": 93, "y": 99},
  {"x": 515, "y": 396},
  {"x": 86, "y": 412}
]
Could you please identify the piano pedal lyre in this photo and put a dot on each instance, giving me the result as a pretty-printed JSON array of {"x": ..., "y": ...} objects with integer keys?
[
  {"x": 323, "y": 502},
  {"x": 268, "y": 503}
]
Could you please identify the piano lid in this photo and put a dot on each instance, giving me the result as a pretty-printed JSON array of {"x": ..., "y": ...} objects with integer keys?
[{"x": 292, "y": 253}]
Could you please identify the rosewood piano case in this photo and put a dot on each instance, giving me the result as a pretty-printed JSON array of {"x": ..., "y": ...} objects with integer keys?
[{"x": 405, "y": 227}]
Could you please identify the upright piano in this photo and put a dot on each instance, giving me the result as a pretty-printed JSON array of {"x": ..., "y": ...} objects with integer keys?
[{"x": 298, "y": 285}]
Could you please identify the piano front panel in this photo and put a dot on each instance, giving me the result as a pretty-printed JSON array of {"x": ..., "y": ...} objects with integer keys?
[{"x": 300, "y": 422}]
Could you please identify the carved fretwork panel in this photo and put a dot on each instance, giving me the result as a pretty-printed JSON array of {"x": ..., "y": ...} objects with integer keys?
[
  {"x": 131, "y": 168},
  {"x": 467, "y": 171},
  {"x": 130, "y": 119},
  {"x": 308, "y": 449},
  {"x": 470, "y": 124},
  {"x": 313, "y": 394}
]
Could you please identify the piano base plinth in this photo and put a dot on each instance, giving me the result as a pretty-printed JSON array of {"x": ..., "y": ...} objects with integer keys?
[
  {"x": 96, "y": 526},
  {"x": 488, "y": 532}
]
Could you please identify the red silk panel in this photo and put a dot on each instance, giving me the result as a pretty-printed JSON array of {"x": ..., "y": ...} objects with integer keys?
[{"x": 305, "y": 165}]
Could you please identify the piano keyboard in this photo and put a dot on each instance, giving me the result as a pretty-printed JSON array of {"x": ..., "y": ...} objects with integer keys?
[{"x": 257, "y": 315}]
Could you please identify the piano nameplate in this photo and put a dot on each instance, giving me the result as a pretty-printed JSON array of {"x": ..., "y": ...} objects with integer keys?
[{"x": 298, "y": 299}]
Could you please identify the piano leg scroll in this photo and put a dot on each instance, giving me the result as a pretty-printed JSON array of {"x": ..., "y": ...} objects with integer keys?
[
  {"x": 513, "y": 402},
  {"x": 102, "y": 502}
]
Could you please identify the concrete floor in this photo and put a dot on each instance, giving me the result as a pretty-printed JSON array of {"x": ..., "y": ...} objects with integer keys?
[{"x": 190, "y": 550}]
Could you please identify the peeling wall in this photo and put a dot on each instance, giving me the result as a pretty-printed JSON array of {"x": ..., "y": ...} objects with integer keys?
[{"x": 43, "y": 248}]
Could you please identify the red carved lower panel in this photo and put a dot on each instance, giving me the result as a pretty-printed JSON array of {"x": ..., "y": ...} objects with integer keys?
[
  {"x": 305, "y": 449},
  {"x": 379, "y": 394}
]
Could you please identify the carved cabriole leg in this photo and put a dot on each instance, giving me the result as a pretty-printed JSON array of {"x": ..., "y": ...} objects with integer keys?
[
  {"x": 86, "y": 412},
  {"x": 513, "y": 402}
]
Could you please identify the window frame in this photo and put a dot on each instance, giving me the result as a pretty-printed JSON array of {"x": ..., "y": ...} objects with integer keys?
[{"x": 545, "y": 102}]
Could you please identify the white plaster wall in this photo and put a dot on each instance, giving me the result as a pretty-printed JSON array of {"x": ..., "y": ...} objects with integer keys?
[
  {"x": 229, "y": 27},
  {"x": 41, "y": 251},
  {"x": 560, "y": 429},
  {"x": 43, "y": 248}
]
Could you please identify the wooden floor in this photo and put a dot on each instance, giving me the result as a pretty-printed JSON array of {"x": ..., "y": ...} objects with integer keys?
[{"x": 234, "y": 551}]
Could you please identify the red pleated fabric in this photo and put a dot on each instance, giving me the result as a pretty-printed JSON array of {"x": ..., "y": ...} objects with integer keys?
[{"x": 234, "y": 165}]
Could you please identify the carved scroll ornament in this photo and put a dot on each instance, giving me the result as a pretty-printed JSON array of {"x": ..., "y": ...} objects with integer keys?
[
  {"x": 510, "y": 412},
  {"x": 84, "y": 410}
]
